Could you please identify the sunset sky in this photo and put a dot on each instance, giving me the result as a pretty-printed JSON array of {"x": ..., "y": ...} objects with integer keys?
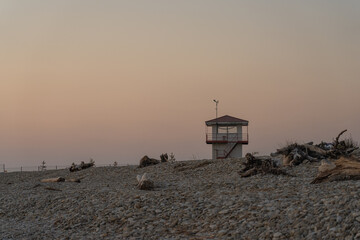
[{"x": 115, "y": 80}]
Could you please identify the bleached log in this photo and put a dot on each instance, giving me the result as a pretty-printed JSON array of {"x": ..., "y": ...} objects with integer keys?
[
  {"x": 326, "y": 165},
  {"x": 58, "y": 179},
  {"x": 342, "y": 169},
  {"x": 315, "y": 149}
]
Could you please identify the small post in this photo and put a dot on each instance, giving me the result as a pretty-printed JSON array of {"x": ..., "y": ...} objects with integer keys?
[
  {"x": 217, "y": 102},
  {"x": 4, "y": 167},
  {"x": 56, "y": 167},
  {"x": 21, "y": 169}
]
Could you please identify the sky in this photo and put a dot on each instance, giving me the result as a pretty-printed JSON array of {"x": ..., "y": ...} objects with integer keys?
[{"x": 117, "y": 80}]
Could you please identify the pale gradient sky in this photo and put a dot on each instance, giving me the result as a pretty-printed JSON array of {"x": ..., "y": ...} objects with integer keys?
[{"x": 115, "y": 80}]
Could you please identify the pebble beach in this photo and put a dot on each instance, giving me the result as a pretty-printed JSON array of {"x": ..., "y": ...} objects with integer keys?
[{"x": 203, "y": 199}]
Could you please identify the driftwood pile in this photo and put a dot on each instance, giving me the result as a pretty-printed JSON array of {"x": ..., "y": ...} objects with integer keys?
[
  {"x": 342, "y": 148},
  {"x": 295, "y": 154},
  {"x": 146, "y": 161},
  {"x": 75, "y": 168},
  {"x": 255, "y": 166},
  {"x": 340, "y": 160}
]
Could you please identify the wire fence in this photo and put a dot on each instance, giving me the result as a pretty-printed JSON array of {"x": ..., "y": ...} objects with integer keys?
[{"x": 39, "y": 168}]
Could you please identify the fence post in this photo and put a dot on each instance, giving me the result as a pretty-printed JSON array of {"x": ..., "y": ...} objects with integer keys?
[
  {"x": 4, "y": 167},
  {"x": 21, "y": 169},
  {"x": 56, "y": 167}
]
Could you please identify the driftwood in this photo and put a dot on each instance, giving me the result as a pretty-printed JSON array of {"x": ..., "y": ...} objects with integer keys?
[
  {"x": 144, "y": 183},
  {"x": 77, "y": 180},
  {"x": 60, "y": 179},
  {"x": 336, "y": 142},
  {"x": 146, "y": 161},
  {"x": 255, "y": 166},
  {"x": 356, "y": 153},
  {"x": 295, "y": 154},
  {"x": 343, "y": 148},
  {"x": 53, "y": 189},
  {"x": 75, "y": 168},
  {"x": 342, "y": 169},
  {"x": 164, "y": 157}
]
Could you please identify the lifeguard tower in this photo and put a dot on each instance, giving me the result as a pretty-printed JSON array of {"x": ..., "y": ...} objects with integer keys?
[{"x": 227, "y": 135}]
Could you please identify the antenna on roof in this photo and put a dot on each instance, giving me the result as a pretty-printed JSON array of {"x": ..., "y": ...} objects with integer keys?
[{"x": 217, "y": 102}]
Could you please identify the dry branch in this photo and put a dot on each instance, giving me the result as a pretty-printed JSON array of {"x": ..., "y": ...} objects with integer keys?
[{"x": 336, "y": 142}]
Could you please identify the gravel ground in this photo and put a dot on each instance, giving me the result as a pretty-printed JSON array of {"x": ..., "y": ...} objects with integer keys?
[{"x": 192, "y": 200}]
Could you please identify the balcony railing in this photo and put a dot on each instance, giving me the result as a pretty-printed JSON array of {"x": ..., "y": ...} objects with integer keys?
[{"x": 227, "y": 138}]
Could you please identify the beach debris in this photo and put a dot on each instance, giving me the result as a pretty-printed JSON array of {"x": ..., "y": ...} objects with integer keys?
[
  {"x": 42, "y": 167},
  {"x": 146, "y": 161},
  {"x": 77, "y": 180},
  {"x": 356, "y": 153},
  {"x": 343, "y": 148},
  {"x": 75, "y": 168},
  {"x": 172, "y": 157},
  {"x": 295, "y": 154},
  {"x": 164, "y": 157},
  {"x": 344, "y": 168},
  {"x": 144, "y": 182},
  {"x": 60, "y": 179},
  {"x": 255, "y": 166},
  {"x": 53, "y": 189}
]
